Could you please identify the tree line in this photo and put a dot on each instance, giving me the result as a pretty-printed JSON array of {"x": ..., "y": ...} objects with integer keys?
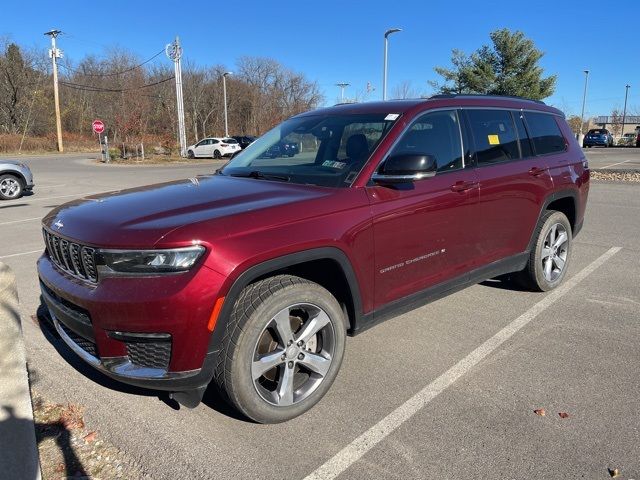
[{"x": 136, "y": 99}]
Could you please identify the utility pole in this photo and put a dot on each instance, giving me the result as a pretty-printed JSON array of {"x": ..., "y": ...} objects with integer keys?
[
  {"x": 342, "y": 86},
  {"x": 174, "y": 52},
  {"x": 54, "y": 53},
  {"x": 624, "y": 113}
]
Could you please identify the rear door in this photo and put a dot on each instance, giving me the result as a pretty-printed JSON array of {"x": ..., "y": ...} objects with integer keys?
[
  {"x": 424, "y": 231},
  {"x": 513, "y": 182}
]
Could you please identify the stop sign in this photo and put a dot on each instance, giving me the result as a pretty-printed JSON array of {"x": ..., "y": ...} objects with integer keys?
[{"x": 98, "y": 126}]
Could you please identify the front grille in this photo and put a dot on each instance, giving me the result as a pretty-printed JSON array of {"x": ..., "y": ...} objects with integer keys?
[
  {"x": 75, "y": 259},
  {"x": 87, "y": 345},
  {"x": 150, "y": 354}
]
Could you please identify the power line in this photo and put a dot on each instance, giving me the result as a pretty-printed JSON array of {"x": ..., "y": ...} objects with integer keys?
[
  {"x": 112, "y": 74},
  {"x": 92, "y": 88}
]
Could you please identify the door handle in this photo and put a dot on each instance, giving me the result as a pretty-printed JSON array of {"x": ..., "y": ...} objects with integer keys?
[
  {"x": 537, "y": 171},
  {"x": 463, "y": 186}
]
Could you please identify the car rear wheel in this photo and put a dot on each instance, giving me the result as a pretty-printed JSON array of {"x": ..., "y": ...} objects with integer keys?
[
  {"x": 10, "y": 187},
  {"x": 282, "y": 350},
  {"x": 217, "y": 154},
  {"x": 551, "y": 253}
]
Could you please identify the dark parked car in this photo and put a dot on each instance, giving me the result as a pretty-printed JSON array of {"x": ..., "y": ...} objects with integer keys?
[
  {"x": 282, "y": 149},
  {"x": 598, "y": 137},
  {"x": 253, "y": 278},
  {"x": 244, "y": 140}
]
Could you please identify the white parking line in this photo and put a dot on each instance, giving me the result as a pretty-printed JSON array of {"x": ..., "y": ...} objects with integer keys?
[
  {"x": 613, "y": 165},
  {"x": 369, "y": 439},
  {"x": 20, "y": 221},
  {"x": 23, "y": 253}
]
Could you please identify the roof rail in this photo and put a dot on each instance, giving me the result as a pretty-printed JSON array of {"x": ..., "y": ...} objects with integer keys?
[{"x": 476, "y": 95}]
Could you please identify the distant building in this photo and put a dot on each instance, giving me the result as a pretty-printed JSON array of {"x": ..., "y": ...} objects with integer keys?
[{"x": 614, "y": 124}]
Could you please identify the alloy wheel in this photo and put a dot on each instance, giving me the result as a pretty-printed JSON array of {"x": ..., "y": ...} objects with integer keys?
[
  {"x": 9, "y": 187},
  {"x": 293, "y": 354},
  {"x": 554, "y": 252}
]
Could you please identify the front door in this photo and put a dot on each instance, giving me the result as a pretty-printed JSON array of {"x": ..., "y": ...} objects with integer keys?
[{"x": 424, "y": 231}]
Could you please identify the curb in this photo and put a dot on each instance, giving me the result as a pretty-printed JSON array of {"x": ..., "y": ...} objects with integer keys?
[{"x": 18, "y": 453}]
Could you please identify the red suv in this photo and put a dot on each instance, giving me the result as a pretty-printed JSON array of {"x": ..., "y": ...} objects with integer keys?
[{"x": 252, "y": 277}]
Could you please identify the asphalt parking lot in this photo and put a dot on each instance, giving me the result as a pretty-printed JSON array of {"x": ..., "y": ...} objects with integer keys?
[
  {"x": 446, "y": 391},
  {"x": 619, "y": 158}
]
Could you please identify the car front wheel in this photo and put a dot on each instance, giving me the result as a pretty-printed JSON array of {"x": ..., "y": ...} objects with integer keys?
[
  {"x": 190, "y": 154},
  {"x": 550, "y": 255},
  {"x": 283, "y": 348},
  {"x": 10, "y": 187}
]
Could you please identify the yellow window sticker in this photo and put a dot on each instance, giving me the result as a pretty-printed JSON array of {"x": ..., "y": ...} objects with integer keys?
[{"x": 493, "y": 139}]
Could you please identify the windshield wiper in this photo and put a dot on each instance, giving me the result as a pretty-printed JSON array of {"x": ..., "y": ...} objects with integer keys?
[{"x": 261, "y": 176}]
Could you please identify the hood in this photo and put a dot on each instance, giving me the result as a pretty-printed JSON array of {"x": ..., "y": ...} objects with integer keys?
[{"x": 140, "y": 217}]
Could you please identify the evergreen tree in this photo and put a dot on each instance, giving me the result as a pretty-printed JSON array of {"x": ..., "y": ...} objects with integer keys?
[{"x": 508, "y": 67}]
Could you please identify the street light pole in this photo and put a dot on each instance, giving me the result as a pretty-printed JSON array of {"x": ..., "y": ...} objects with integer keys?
[
  {"x": 384, "y": 68},
  {"x": 224, "y": 91},
  {"x": 624, "y": 112},
  {"x": 584, "y": 101},
  {"x": 54, "y": 53},
  {"x": 342, "y": 86}
]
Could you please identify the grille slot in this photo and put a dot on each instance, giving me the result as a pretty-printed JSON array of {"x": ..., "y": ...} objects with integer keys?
[
  {"x": 87, "y": 345},
  {"x": 75, "y": 259},
  {"x": 150, "y": 354}
]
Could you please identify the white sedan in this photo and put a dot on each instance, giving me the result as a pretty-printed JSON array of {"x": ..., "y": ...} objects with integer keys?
[{"x": 213, "y": 147}]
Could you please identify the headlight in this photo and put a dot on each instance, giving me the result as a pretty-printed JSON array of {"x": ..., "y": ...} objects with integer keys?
[{"x": 151, "y": 261}]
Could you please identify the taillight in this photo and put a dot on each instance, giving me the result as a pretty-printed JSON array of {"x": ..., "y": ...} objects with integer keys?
[{"x": 224, "y": 145}]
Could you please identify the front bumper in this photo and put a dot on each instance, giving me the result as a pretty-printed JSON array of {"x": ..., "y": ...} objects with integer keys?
[{"x": 149, "y": 332}]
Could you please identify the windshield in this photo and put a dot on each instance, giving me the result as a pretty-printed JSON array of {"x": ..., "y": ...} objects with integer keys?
[{"x": 324, "y": 150}]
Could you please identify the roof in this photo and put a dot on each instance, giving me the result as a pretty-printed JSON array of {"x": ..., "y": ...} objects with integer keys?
[{"x": 436, "y": 101}]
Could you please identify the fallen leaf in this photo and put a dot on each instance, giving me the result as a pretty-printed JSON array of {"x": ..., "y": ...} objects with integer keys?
[
  {"x": 614, "y": 472},
  {"x": 59, "y": 468},
  {"x": 540, "y": 412},
  {"x": 90, "y": 437},
  {"x": 563, "y": 415}
]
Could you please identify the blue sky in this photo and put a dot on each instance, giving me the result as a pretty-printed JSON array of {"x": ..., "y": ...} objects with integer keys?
[{"x": 332, "y": 41}]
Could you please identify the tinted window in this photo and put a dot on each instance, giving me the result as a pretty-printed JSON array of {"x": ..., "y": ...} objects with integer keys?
[
  {"x": 544, "y": 133},
  {"x": 494, "y": 136},
  {"x": 525, "y": 141},
  {"x": 436, "y": 134}
]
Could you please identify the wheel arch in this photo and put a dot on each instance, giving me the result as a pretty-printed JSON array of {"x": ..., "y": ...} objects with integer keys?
[
  {"x": 565, "y": 201},
  {"x": 327, "y": 266},
  {"x": 16, "y": 174}
]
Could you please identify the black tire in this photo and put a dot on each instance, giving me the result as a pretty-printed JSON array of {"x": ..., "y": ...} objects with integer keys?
[
  {"x": 11, "y": 187},
  {"x": 253, "y": 313},
  {"x": 534, "y": 277},
  {"x": 216, "y": 154},
  {"x": 190, "y": 154}
]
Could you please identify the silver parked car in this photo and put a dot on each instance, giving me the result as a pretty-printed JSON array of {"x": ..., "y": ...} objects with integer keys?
[{"x": 15, "y": 179}]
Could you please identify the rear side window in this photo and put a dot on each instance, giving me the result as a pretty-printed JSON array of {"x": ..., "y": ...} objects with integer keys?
[
  {"x": 494, "y": 136},
  {"x": 437, "y": 134},
  {"x": 545, "y": 133}
]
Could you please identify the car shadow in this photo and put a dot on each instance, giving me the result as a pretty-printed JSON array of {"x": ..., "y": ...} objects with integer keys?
[
  {"x": 212, "y": 398},
  {"x": 504, "y": 282}
]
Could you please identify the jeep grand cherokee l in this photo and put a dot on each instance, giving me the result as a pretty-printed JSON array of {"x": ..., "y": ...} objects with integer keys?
[{"x": 252, "y": 277}]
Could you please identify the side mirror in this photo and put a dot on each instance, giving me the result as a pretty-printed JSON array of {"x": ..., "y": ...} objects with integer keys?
[{"x": 406, "y": 168}]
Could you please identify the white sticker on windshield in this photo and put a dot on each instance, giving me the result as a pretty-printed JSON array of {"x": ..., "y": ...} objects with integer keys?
[{"x": 392, "y": 116}]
